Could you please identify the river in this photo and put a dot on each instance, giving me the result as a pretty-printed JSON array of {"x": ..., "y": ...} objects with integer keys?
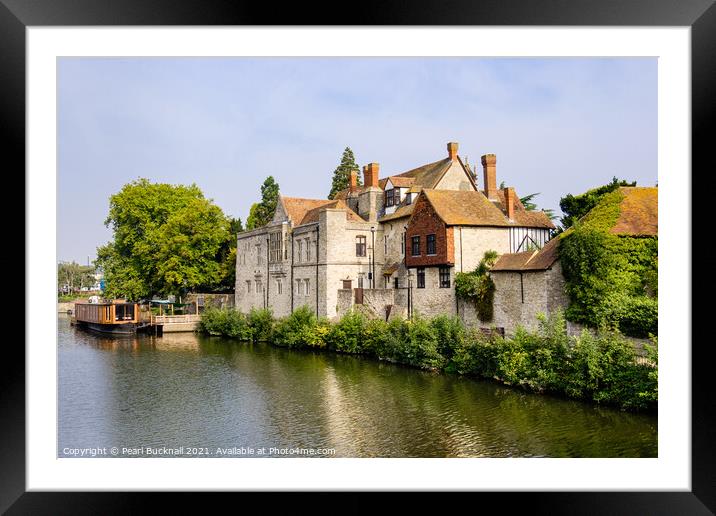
[{"x": 189, "y": 395}]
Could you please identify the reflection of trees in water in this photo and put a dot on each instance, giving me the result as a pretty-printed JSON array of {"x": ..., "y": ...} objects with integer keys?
[{"x": 189, "y": 388}]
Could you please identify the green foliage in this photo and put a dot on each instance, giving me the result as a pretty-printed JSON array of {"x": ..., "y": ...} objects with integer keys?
[
  {"x": 261, "y": 213},
  {"x": 531, "y": 206},
  {"x": 301, "y": 329},
  {"x": 601, "y": 367},
  {"x": 261, "y": 322},
  {"x": 167, "y": 239},
  {"x": 73, "y": 276},
  {"x": 575, "y": 207},
  {"x": 477, "y": 286},
  {"x": 346, "y": 335},
  {"x": 341, "y": 179},
  {"x": 226, "y": 322},
  {"x": 611, "y": 280}
]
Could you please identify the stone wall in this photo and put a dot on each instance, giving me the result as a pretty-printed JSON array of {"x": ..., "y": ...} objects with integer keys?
[
  {"x": 455, "y": 179},
  {"x": 519, "y": 297},
  {"x": 211, "y": 300}
]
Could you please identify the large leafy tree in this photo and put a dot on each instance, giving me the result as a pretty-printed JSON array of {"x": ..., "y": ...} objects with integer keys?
[
  {"x": 167, "y": 239},
  {"x": 341, "y": 175},
  {"x": 262, "y": 212}
]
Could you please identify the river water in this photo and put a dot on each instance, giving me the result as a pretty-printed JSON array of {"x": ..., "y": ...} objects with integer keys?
[{"x": 189, "y": 395}]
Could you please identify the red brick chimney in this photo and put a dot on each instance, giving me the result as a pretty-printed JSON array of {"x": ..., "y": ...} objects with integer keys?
[
  {"x": 510, "y": 202},
  {"x": 353, "y": 180},
  {"x": 490, "y": 175},
  {"x": 370, "y": 175},
  {"x": 452, "y": 151}
]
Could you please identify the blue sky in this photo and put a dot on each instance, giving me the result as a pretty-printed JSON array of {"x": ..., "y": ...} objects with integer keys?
[{"x": 557, "y": 125}]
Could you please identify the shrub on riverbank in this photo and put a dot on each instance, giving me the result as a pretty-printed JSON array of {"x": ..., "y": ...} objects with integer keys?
[
  {"x": 229, "y": 323},
  {"x": 599, "y": 367}
]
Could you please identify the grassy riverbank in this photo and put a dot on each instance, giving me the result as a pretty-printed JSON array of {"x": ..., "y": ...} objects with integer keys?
[{"x": 600, "y": 368}]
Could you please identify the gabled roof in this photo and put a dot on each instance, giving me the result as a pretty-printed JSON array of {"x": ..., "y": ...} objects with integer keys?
[
  {"x": 312, "y": 215},
  {"x": 465, "y": 208},
  {"x": 304, "y": 211},
  {"x": 639, "y": 212},
  {"x": 539, "y": 260},
  {"x": 399, "y": 181},
  {"x": 426, "y": 176}
]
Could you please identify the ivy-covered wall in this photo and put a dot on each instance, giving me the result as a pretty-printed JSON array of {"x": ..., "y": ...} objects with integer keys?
[{"x": 611, "y": 280}]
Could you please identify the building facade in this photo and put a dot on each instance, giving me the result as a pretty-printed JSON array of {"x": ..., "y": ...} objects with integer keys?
[{"x": 392, "y": 245}]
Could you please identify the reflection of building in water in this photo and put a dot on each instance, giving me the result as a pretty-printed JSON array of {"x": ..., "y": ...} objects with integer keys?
[{"x": 176, "y": 341}]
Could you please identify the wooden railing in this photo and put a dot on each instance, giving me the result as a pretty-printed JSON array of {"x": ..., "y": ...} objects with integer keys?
[{"x": 175, "y": 319}]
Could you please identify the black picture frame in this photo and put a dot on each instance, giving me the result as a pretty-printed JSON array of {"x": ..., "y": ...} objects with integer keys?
[{"x": 700, "y": 15}]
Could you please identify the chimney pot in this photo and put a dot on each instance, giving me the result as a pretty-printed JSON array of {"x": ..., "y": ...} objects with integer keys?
[
  {"x": 353, "y": 180},
  {"x": 489, "y": 162},
  {"x": 452, "y": 150}
]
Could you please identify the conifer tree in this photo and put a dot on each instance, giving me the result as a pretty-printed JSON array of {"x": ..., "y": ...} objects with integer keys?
[{"x": 341, "y": 175}]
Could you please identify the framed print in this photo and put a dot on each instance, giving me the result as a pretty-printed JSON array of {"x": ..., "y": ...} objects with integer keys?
[{"x": 162, "y": 376}]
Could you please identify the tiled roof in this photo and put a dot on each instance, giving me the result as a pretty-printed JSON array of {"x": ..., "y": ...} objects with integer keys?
[
  {"x": 465, "y": 208},
  {"x": 428, "y": 175},
  {"x": 524, "y": 218},
  {"x": 639, "y": 212},
  {"x": 302, "y": 211},
  {"x": 390, "y": 269},
  {"x": 529, "y": 260},
  {"x": 401, "y": 181},
  {"x": 403, "y": 211},
  {"x": 312, "y": 215}
]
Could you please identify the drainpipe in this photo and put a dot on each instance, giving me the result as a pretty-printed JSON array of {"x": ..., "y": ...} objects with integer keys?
[
  {"x": 318, "y": 228},
  {"x": 372, "y": 233},
  {"x": 268, "y": 278},
  {"x": 291, "y": 285}
]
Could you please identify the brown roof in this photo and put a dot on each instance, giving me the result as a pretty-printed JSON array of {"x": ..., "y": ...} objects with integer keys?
[
  {"x": 639, "y": 212},
  {"x": 391, "y": 269},
  {"x": 428, "y": 175},
  {"x": 465, "y": 208},
  {"x": 529, "y": 260},
  {"x": 405, "y": 210},
  {"x": 305, "y": 211},
  {"x": 400, "y": 181},
  {"x": 524, "y": 218}
]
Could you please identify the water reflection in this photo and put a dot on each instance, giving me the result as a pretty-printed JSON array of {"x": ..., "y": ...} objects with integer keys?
[{"x": 184, "y": 389}]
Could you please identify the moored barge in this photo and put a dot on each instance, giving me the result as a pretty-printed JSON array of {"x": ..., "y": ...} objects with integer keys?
[{"x": 118, "y": 317}]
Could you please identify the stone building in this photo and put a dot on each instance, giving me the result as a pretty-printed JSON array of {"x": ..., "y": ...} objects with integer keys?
[
  {"x": 392, "y": 246},
  {"x": 531, "y": 282}
]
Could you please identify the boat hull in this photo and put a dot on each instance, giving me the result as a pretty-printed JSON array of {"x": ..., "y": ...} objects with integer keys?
[{"x": 113, "y": 329}]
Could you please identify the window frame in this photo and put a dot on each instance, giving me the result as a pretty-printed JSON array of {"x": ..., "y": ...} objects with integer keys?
[
  {"x": 361, "y": 246},
  {"x": 415, "y": 241},
  {"x": 420, "y": 275},
  {"x": 442, "y": 272},
  {"x": 434, "y": 245}
]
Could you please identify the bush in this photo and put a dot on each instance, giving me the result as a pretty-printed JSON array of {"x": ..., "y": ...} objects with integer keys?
[
  {"x": 261, "y": 322},
  {"x": 346, "y": 335},
  {"x": 450, "y": 333},
  {"x": 301, "y": 329},
  {"x": 413, "y": 342},
  {"x": 226, "y": 322}
]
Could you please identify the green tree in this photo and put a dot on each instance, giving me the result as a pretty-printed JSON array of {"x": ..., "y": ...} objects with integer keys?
[
  {"x": 167, "y": 239},
  {"x": 262, "y": 212},
  {"x": 341, "y": 175},
  {"x": 575, "y": 207},
  {"x": 74, "y": 276},
  {"x": 531, "y": 206}
]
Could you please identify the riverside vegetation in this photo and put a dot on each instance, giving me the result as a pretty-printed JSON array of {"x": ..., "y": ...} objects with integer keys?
[{"x": 601, "y": 367}]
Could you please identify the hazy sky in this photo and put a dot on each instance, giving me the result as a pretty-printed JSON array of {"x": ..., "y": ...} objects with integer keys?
[{"x": 557, "y": 126}]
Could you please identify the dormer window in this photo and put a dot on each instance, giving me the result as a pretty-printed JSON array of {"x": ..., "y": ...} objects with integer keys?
[{"x": 390, "y": 197}]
